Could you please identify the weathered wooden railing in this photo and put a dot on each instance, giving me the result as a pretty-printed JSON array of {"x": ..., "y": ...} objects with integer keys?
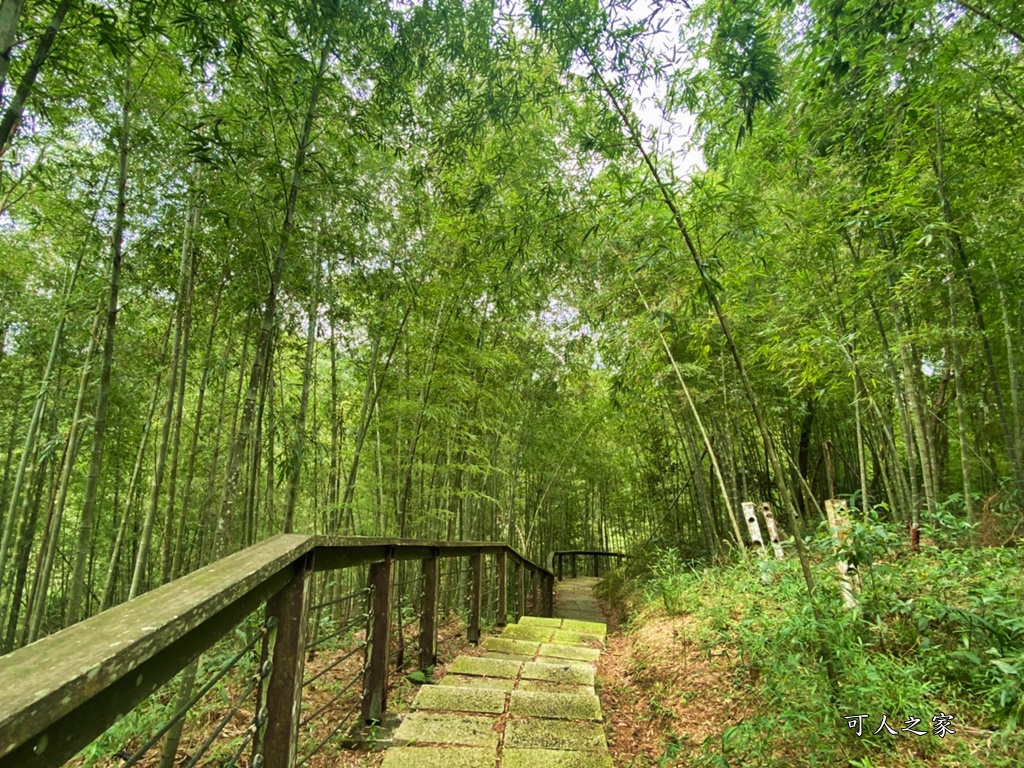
[
  {"x": 62, "y": 692},
  {"x": 556, "y": 561}
]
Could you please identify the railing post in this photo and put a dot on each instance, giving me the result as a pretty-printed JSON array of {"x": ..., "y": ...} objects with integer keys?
[
  {"x": 549, "y": 595},
  {"x": 428, "y": 618},
  {"x": 520, "y": 591},
  {"x": 502, "y": 618},
  {"x": 284, "y": 689},
  {"x": 573, "y": 558},
  {"x": 375, "y": 685},
  {"x": 561, "y": 568},
  {"x": 597, "y": 566},
  {"x": 475, "y": 596}
]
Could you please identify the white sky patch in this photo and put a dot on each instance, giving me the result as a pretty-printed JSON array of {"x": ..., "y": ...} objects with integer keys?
[
  {"x": 562, "y": 324},
  {"x": 670, "y": 134}
]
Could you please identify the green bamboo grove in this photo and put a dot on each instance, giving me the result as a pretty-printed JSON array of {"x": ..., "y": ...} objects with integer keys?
[{"x": 451, "y": 271}]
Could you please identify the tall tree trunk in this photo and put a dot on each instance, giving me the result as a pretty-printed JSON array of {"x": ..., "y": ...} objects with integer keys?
[
  {"x": 425, "y": 388},
  {"x": 938, "y": 165},
  {"x": 10, "y": 17},
  {"x": 237, "y": 452},
  {"x": 703, "y": 432},
  {"x": 919, "y": 432},
  {"x": 12, "y": 433},
  {"x": 257, "y": 447},
  {"x": 371, "y": 393},
  {"x": 1011, "y": 363},
  {"x": 140, "y": 458},
  {"x": 187, "y": 287},
  {"x": 300, "y": 423},
  {"x": 142, "y": 554},
  {"x": 49, "y": 552},
  {"x": 961, "y": 403},
  {"x": 762, "y": 424},
  {"x": 910, "y": 513},
  {"x": 88, "y": 517},
  {"x": 334, "y": 477},
  {"x": 208, "y": 549},
  {"x": 13, "y": 112},
  {"x": 190, "y": 471},
  {"x": 30, "y": 449},
  {"x": 23, "y": 554},
  {"x": 694, "y": 460}
]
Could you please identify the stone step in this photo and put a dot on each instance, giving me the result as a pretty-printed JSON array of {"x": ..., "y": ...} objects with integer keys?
[{"x": 528, "y": 700}]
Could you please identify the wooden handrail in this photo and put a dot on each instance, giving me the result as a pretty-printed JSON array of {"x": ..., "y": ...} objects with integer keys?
[
  {"x": 599, "y": 552},
  {"x": 556, "y": 560},
  {"x": 63, "y": 691}
]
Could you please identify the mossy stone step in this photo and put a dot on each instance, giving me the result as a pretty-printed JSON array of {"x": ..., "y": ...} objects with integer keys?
[
  {"x": 535, "y": 733},
  {"x": 437, "y": 728},
  {"x": 474, "y": 665},
  {"x": 552, "y": 758},
  {"x": 557, "y": 706},
  {"x": 526, "y": 632},
  {"x": 452, "y": 698},
  {"x": 572, "y": 637},
  {"x": 505, "y": 656},
  {"x": 537, "y": 679},
  {"x": 546, "y": 686},
  {"x": 585, "y": 627},
  {"x": 507, "y": 645},
  {"x": 557, "y": 660},
  {"x": 569, "y": 672},
  {"x": 472, "y": 681},
  {"x": 573, "y": 652},
  {"x": 441, "y": 757}
]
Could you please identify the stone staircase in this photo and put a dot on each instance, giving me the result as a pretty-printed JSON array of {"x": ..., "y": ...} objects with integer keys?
[{"x": 528, "y": 702}]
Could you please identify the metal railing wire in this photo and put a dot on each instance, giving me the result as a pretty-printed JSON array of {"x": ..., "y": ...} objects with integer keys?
[{"x": 182, "y": 712}]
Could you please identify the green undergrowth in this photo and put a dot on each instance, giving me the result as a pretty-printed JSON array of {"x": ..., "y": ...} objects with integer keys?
[{"x": 939, "y": 632}]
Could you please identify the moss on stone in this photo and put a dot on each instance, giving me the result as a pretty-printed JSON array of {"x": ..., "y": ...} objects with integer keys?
[
  {"x": 533, "y": 634},
  {"x": 540, "y": 621},
  {"x": 507, "y": 645},
  {"x": 436, "y": 728},
  {"x": 569, "y": 672},
  {"x": 585, "y": 627},
  {"x": 440, "y": 757},
  {"x": 473, "y": 665},
  {"x": 505, "y": 656},
  {"x": 530, "y": 733},
  {"x": 471, "y": 681},
  {"x": 558, "y": 706},
  {"x": 554, "y": 758},
  {"x": 573, "y": 652},
  {"x": 549, "y": 687},
  {"x": 571, "y": 637},
  {"x": 455, "y": 699}
]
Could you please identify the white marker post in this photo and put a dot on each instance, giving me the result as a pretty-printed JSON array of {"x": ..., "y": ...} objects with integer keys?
[
  {"x": 773, "y": 530},
  {"x": 839, "y": 522},
  {"x": 754, "y": 529}
]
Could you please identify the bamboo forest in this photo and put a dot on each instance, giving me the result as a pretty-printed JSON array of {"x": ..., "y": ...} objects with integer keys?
[{"x": 398, "y": 324}]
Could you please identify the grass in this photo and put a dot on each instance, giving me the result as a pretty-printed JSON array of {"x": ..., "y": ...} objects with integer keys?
[{"x": 936, "y": 632}]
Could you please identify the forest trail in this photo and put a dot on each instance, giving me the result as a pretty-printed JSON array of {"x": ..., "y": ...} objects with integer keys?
[
  {"x": 574, "y": 599},
  {"x": 529, "y": 700}
]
